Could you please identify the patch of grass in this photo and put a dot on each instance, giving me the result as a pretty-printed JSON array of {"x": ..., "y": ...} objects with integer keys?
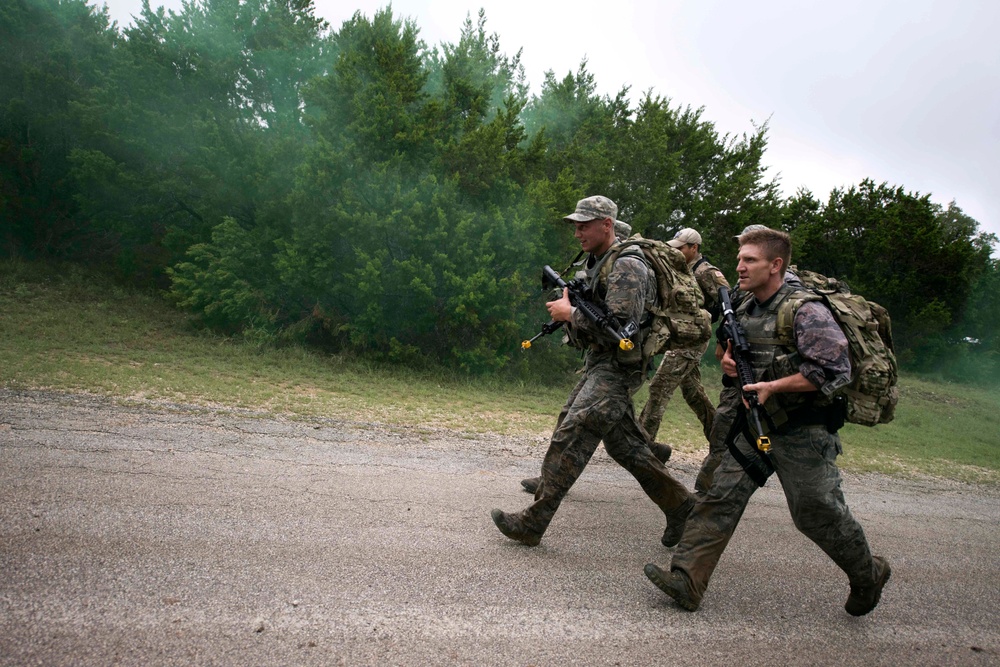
[
  {"x": 945, "y": 429},
  {"x": 63, "y": 328},
  {"x": 66, "y": 329}
]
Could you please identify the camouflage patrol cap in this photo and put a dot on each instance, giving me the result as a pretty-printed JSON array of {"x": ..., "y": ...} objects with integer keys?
[
  {"x": 623, "y": 230},
  {"x": 593, "y": 208},
  {"x": 751, "y": 228}
]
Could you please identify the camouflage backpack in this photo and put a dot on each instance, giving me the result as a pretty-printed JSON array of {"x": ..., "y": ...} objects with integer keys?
[
  {"x": 679, "y": 319},
  {"x": 872, "y": 393}
]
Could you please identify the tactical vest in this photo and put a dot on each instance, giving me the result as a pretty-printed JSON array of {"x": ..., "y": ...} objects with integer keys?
[{"x": 774, "y": 356}]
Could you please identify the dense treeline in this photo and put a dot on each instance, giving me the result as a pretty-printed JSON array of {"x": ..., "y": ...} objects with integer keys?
[{"x": 281, "y": 179}]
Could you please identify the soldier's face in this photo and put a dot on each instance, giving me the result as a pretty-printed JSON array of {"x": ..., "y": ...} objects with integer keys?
[
  {"x": 754, "y": 268},
  {"x": 690, "y": 252},
  {"x": 593, "y": 235}
]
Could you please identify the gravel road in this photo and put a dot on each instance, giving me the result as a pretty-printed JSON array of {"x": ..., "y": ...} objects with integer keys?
[{"x": 152, "y": 534}]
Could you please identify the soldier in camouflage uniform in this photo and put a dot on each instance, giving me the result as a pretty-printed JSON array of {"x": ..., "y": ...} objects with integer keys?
[
  {"x": 729, "y": 398},
  {"x": 804, "y": 442},
  {"x": 662, "y": 452},
  {"x": 600, "y": 406},
  {"x": 682, "y": 366}
]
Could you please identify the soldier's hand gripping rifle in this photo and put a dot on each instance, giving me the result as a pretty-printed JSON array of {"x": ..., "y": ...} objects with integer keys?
[
  {"x": 578, "y": 297},
  {"x": 744, "y": 371}
]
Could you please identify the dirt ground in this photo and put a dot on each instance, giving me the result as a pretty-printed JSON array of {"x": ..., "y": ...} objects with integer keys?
[{"x": 152, "y": 534}]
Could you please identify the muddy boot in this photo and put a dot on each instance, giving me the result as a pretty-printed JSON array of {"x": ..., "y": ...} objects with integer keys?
[
  {"x": 661, "y": 451},
  {"x": 531, "y": 484},
  {"x": 675, "y": 523},
  {"x": 675, "y": 584},
  {"x": 865, "y": 598},
  {"x": 513, "y": 527}
]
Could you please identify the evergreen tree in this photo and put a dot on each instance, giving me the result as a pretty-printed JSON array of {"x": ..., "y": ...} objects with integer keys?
[{"x": 53, "y": 53}]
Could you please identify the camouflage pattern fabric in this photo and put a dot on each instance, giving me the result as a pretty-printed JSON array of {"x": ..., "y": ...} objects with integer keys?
[
  {"x": 681, "y": 368},
  {"x": 804, "y": 459},
  {"x": 630, "y": 291},
  {"x": 819, "y": 349},
  {"x": 805, "y": 462},
  {"x": 725, "y": 415},
  {"x": 710, "y": 279},
  {"x": 600, "y": 408},
  {"x": 729, "y": 406}
]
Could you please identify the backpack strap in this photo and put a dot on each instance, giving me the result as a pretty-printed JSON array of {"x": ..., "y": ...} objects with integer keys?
[{"x": 787, "y": 309}]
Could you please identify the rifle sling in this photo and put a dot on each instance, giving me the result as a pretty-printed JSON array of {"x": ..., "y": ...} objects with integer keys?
[{"x": 741, "y": 425}]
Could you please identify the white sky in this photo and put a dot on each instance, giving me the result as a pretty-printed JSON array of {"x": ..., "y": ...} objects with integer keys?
[{"x": 899, "y": 91}]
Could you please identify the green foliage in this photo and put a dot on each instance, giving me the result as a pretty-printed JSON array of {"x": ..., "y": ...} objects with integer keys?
[
  {"x": 900, "y": 250},
  {"x": 52, "y": 54},
  {"x": 676, "y": 171},
  {"x": 223, "y": 281},
  {"x": 199, "y": 119},
  {"x": 68, "y": 328},
  {"x": 355, "y": 188}
]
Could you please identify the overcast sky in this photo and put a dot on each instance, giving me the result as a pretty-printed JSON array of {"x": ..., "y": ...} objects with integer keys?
[{"x": 899, "y": 91}]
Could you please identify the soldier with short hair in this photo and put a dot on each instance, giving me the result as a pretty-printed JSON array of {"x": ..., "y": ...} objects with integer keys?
[
  {"x": 729, "y": 397},
  {"x": 801, "y": 422},
  {"x": 600, "y": 406}
]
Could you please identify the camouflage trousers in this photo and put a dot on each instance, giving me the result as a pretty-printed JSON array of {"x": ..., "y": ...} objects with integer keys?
[
  {"x": 804, "y": 460},
  {"x": 600, "y": 408},
  {"x": 678, "y": 368},
  {"x": 725, "y": 415}
]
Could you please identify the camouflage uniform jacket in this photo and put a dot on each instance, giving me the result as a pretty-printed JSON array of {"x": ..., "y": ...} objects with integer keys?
[
  {"x": 710, "y": 279},
  {"x": 819, "y": 349},
  {"x": 628, "y": 292}
]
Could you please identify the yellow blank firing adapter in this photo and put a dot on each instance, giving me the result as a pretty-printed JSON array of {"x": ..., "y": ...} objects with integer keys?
[
  {"x": 626, "y": 345},
  {"x": 764, "y": 443},
  {"x": 525, "y": 344}
]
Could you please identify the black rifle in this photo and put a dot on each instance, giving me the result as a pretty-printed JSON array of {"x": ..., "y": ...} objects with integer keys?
[
  {"x": 579, "y": 296},
  {"x": 744, "y": 371}
]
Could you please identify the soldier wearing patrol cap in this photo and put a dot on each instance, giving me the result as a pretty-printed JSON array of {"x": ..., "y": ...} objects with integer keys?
[
  {"x": 600, "y": 406},
  {"x": 682, "y": 366}
]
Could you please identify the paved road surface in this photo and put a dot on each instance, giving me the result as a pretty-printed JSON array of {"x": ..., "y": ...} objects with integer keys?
[{"x": 172, "y": 535}]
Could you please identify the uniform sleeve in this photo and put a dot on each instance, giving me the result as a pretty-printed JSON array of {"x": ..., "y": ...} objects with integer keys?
[
  {"x": 710, "y": 280},
  {"x": 821, "y": 344}
]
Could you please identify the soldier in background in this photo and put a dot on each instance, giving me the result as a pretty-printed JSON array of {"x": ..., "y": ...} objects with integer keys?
[{"x": 682, "y": 367}]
